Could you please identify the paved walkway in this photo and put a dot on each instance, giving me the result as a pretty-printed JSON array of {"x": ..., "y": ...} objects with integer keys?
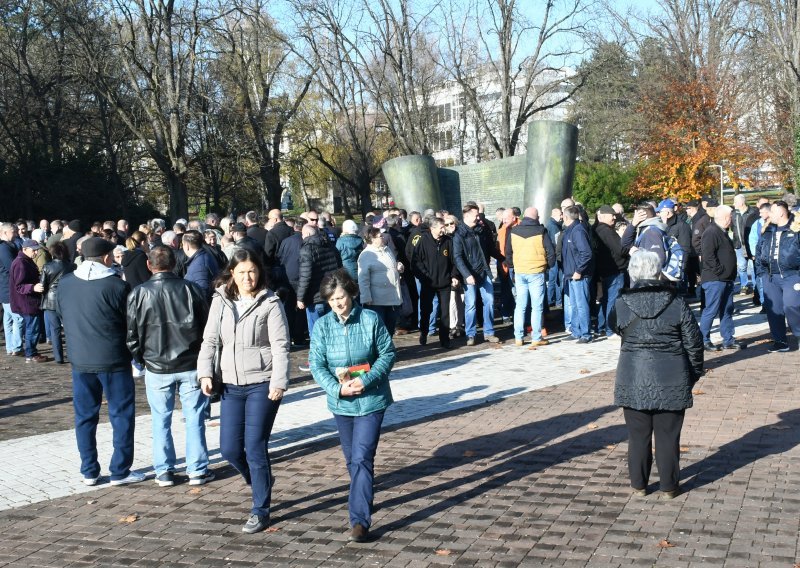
[{"x": 504, "y": 456}]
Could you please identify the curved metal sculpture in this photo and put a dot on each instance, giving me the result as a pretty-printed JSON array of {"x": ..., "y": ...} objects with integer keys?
[
  {"x": 552, "y": 149},
  {"x": 414, "y": 182}
]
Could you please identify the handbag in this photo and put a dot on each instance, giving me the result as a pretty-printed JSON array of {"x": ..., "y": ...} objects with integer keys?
[{"x": 216, "y": 362}]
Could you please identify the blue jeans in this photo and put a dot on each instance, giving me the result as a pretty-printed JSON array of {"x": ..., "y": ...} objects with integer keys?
[
  {"x": 434, "y": 310},
  {"x": 782, "y": 302},
  {"x": 53, "y": 322},
  {"x": 719, "y": 303},
  {"x": 486, "y": 290},
  {"x": 313, "y": 313},
  {"x": 246, "y": 420},
  {"x": 359, "y": 436},
  {"x": 31, "y": 327},
  {"x": 388, "y": 315},
  {"x": 87, "y": 395},
  {"x": 161, "y": 397},
  {"x": 578, "y": 295},
  {"x": 611, "y": 287},
  {"x": 554, "y": 286},
  {"x": 529, "y": 287},
  {"x": 12, "y": 327},
  {"x": 743, "y": 267}
]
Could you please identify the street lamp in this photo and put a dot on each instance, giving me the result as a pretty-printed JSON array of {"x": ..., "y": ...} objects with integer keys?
[{"x": 721, "y": 183}]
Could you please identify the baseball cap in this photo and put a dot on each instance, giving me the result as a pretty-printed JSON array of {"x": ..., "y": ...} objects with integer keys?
[
  {"x": 693, "y": 203},
  {"x": 30, "y": 244},
  {"x": 665, "y": 204},
  {"x": 606, "y": 210},
  {"x": 96, "y": 246}
]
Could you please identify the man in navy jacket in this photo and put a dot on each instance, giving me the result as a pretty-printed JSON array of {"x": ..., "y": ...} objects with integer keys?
[
  {"x": 92, "y": 303},
  {"x": 576, "y": 253}
]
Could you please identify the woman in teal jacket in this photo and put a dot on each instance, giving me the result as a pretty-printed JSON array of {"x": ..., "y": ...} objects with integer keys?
[{"x": 345, "y": 338}]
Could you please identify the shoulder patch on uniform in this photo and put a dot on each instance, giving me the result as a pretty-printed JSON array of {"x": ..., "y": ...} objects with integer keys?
[
  {"x": 415, "y": 240},
  {"x": 444, "y": 252}
]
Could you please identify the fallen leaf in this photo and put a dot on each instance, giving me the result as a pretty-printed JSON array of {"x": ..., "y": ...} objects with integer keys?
[
  {"x": 762, "y": 342},
  {"x": 212, "y": 424},
  {"x": 532, "y": 348},
  {"x": 683, "y": 449},
  {"x": 584, "y": 371},
  {"x": 195, "y": 491},
  {"x": 664, "y": 543},
  {"x": 698, "y": 392},
  {"x": 470, "y": 453},
  {"x": 92, "y": 502},
  {"x": 443, "y": 552},
  {"x": 592, "y": 426},
  {"x": 611, "y": 446},
  {"x": 130, "y": 518},
  {"x": 272, "y": 529},
  {"x": 779, "y": 427}
]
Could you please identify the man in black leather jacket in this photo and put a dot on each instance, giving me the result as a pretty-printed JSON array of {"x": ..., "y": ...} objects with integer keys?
[{"x": 166, "y": 318}]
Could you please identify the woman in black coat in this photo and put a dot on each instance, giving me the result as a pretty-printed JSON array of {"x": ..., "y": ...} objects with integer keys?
[
  {"x": 51, "y": 274},
  {"x": 661, "y": 357}
]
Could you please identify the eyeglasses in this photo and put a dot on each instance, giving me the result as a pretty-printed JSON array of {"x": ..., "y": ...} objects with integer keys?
[
  {"x": 313, "y": 219},
  {"x": 449, "y": 224}
]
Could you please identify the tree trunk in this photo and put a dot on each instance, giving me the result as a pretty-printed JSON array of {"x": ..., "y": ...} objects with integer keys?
[{"x": 178, "y": 196}]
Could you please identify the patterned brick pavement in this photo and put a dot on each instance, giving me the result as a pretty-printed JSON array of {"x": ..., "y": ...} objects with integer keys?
[{"x": 535, "y": 479}]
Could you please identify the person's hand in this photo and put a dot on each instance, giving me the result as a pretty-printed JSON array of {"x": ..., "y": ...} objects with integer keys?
[
  {"x": 638, "y": 217},
  {"x": 276, "y": 394},
  {"x": 353, "y": 387},
  {"x": 576, "y": 276},
  {"x": 471, "y": 280},
  {"x": 454, "y": 282},
  {"x": 38, "y": 287},
  {"x": 206, "y": 386},
  {"x": 632, "y": 250},
  {"x": 300, "y": 305},
  {"x": 400, "y": 267}
]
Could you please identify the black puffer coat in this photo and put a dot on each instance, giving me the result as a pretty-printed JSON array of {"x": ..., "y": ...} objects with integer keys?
[
  {"x": 318, "y": 257},
  {"x": 662, "y": 350}
]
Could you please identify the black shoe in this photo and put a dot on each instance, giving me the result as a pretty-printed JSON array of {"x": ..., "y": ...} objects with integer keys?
[
  {"x": 779, "y": 347},
  {"x": 733, "y": 346},
  {"x": 256, "y": 523},
  {"x": 358, "y": 534},
  {"x": 423, "y": 339},
  {"x": 585, "y": 340},
  {"x": 708, "y": 346},
  {"x": 570, "y": 337}
]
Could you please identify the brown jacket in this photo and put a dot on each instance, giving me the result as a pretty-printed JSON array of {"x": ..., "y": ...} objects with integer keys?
[{"x": 255, "y": 349}]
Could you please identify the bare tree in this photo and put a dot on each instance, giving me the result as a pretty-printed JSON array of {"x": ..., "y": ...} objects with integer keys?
[
  {"x": 269, "y": 83},
  {"x": 344, "y": 130},
  {"x": 141, "y": 56},
  {"x": 492, "y": 46}
]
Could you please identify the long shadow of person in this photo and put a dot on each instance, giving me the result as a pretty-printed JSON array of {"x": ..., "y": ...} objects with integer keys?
[
  {"x": 512, "y": 455},
  {"x": 759, "y": 443}
]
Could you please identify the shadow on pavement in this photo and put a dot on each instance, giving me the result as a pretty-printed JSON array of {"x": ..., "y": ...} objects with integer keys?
[
  {"x": 513, "y": 454},
  {"x": 759, "y": 443},
  {"x": 18, "y": 410}
]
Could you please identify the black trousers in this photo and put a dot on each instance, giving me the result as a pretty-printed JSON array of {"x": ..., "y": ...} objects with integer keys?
[
  {"x": 642, "y": 425},
  {"x": 426, "y": 307}
]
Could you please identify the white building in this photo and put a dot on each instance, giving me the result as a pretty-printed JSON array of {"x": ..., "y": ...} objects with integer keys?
[{"x": 458, "y": 138}]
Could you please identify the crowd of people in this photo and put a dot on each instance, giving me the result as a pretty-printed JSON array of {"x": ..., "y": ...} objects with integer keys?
[{"x": 214, "y": 307}]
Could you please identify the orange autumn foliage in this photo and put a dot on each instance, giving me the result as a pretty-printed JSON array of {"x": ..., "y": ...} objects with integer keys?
[{"x": 689, "y": 129}]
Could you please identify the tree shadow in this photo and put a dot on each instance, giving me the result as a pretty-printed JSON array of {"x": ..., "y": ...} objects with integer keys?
[
  {"x": 13, "y": 399},
  {"x": 18, "y": 410},
  {"x": 757, "y": 444},
  {"x": 512, "y": 454}
]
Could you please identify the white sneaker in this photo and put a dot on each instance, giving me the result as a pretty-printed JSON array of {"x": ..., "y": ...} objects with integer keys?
[
  {"x": 91, "y": 481},
  {"x": 137, "y": 374},
  {"x": 133, "y": 477}
]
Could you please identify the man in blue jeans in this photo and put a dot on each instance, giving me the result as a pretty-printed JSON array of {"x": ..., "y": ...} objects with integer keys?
[
  {"x": 611, "y": 265},
  {"x": 470, "y": 258},
  {"x": 529, "y": 252},
  {"x": 576, "y": 253},
  {"x": 718, "y": 274},
  {"x": 12, "y": 323},
  {"x": 25, "y": 292},
  {"x": 91, "y": 302},
  {"x": 166, "y": 318}
]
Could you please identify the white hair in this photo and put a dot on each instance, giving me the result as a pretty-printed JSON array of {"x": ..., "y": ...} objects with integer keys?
[{"x": 644, "y": 265}]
